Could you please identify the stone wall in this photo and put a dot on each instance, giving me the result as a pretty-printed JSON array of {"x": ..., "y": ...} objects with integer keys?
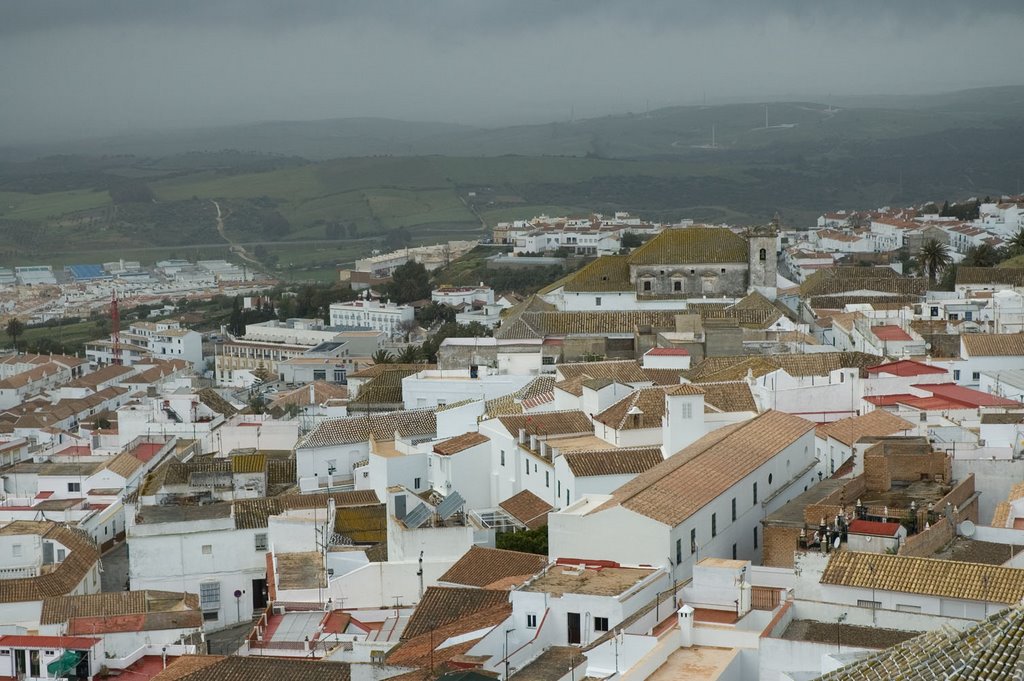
[
  {"x": 717, "y": 279},
  {"x": 925, "y": 544}
]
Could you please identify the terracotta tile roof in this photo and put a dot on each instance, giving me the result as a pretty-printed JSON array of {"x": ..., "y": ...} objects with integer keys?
[
  {"x": 607, "y": 273},
  {"x": 613, "y": 461},
  {"x": 833, "y": 280},
  {"x": 36, "y": 373},
  {"x": 838, "y": 302},
  {"x": 572, "y": 422},
  {"x": 650, "y": 402},
  {"x": 362, "y": 524},
  {"x": 379, "y": 369},
  {"x": 684, "y": 483},
  {"x": 728, "y": 396},
  {"x": 990, "y": 649},
  {"x": 65, "y": 577},
  {"x": 928, "y": 576},
  {"x": 528, "y": 508},
  {"x": 62, "y": 609},
  {"x": 506, "y": 405},
  {"x": 248, "y": 463},
  {"x": 254, "y": 513},
  {"x": 691, "y": 245},
  {"x": 459, "y": 443},
  {"x": 663, "y": 376},
  {"x": 718, "y": 372},
  {"x": 124, "y": 464},
  {"x": 1011, "y": 276},
  {"x": 212, "y": 399},
  {"x": 993, "y": 344},
  {"x": 424, "y": 651},
  {"x": 351, "y": 429},
  {"x": 386, "y": 388},
  {"x": 540, "y": 385},
  {"x": 545, "y": 324},
  {"x": 623, "y": 371},
  {"x": 809, "y": 364},
  {"x": 107, "y": 373},
  {"x": 443, "y": 605},
  {"x": 877, "y": 423},
  {"x": 254, "y": 668},
  {"x": 322, "y": 391},
  {"x": 482, "y": 566}
]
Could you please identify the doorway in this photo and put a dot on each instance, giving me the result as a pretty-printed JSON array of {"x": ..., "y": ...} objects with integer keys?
[{"x": 573, "y": 619}]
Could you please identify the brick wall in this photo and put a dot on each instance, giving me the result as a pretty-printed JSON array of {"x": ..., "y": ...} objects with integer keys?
[
  {"x": 925, "y": 544},
  {"x": 959, "y": 496},
  {"x": 876, "y": 472},
  {"x": 830, "y": 506},
  {"x": 904, "y": 462},
  {"x": 780, "y": 543}
]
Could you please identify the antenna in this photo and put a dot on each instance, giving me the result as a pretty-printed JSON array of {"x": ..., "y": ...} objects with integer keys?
[{"x": 115, "y": 325}]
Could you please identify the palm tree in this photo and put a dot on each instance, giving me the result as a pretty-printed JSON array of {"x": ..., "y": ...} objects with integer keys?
[
  {"x": 382, "y": 356},
  {"x": 1016, "y": 244},
  {"x": 933, "y": 256},
  {"x": 410, "y": 355},
  {"x": 14, "y": 329}
]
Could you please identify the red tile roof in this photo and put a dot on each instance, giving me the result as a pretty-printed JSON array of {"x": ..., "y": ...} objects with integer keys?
[
  {"x": 890, "y": 332},
  {"x": 668, "y": 352},
  {"x": 966, "y": 396},
  {"x": 60, "y": 642},
  {"x": 875, "y": 528},
  {"x": 906, "y": 367}
]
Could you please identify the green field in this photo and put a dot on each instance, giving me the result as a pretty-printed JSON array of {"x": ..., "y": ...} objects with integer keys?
[{"x": 34, "y": 207}]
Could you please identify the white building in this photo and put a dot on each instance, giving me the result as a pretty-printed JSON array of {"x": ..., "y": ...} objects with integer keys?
[
  {"x": 388, "y": 318},
  {"x": 149, "y": 340},
  {"x": 707, "y": 500}
]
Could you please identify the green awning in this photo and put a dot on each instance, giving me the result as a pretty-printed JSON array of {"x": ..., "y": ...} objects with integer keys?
[{"x": 65, "y": 663}]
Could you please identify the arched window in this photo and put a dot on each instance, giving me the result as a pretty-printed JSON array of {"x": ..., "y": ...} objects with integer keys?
[{"x": 763, "y": 255}]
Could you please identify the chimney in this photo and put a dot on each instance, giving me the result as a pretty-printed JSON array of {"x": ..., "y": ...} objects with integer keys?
[
  {"x": 522, "y": 436},
  {"x": 684, "y": 419},
  {"x": 533, "y": 442}
]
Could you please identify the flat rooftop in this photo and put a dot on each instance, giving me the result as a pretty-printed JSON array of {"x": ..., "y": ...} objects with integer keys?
[
  {"x": 698, "y": 662},
  {"x": 569, "y": 579},
  {"x": 178, "y": 514},
  {"x": 792, "y": 513},
  {"x": 973, "y": 551},
  {"x": 848, "y": 634},
  {"x": 901, "y": 494},
  {"x": 303, "y": 570}
]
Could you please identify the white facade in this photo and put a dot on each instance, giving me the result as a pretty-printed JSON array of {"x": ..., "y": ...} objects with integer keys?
[
  {"x": 370, "y": 314},
  {"x": 438, "y": 387}
]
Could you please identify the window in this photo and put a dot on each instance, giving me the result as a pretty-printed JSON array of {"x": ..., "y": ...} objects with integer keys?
[
  {"x": 868, "y": 604},
  {"x": 319, "y": 374},
  {"x": 416, "y": 483},
  {"x": 755, "y": 493},
  {"x": 531, "y": 621},
  {"x": 527, "y": 467},
  {"x": 686, "y": 411},
  {"x": 762, "y": 254},
  {"x": 969, "y": 315},
  {"x": 769, "y": 478},
  {"x": 548, "y": 361},
  {"x": 261, "y": 541},
  {"x": 755, "y": 537},
  {"x": 207, "y": 549},
  {"x": 956, "y": 374},
  {"x": 734, "y": 509},
  {"x": 600, "y": 624},
  {"x": 935, "y": 311},
  {"x": 647, "y": 286},
  {"x": 209, "y": 596},
  {"x": 74, "y": 487},
  {"x": 597, "y": 301},
  {"x": 677, "y": 286},
  {"x": 923, "y": 417},
  {"x": 679, "y": 551},
  {"x": 503, "y": 457},
  {"x": 558, "y": 488},
  {"x": 734, "y": 552},
  {"x": 903, "y": 607},
  {"x": 61, "y": 555},
  {"x": 339, "y": 375},
  {"x": 16, "y": 550},
  {"x": 714, "y": 524},
  {"x": 975, "y": 375},
  {"x": 547, "y": 478}
]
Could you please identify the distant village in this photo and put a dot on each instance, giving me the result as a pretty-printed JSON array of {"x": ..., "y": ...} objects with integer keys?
[{"x": 703, "y": 452}]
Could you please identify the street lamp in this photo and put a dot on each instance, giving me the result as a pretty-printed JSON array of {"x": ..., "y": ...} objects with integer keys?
[
  {"x": 839, "y": 629},
  {"x": 507, "y": 632}
]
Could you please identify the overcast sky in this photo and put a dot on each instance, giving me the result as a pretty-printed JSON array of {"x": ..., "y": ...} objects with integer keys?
[{"x": 79, "y": 68}]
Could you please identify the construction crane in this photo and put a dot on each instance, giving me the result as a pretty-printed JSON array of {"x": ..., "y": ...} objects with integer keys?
[{"x": 115, "y": 326}]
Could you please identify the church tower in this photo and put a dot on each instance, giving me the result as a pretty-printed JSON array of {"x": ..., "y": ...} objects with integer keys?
[{"x": 763, "y": 260}]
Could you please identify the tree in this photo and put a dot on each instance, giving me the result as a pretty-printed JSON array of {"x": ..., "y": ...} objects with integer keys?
[
  {"x": 410, "y": 355},
  {"x": 933, "y": 257},
  {"x": 982, "y": 255},
  {"x": 382, "y": 356},
  {"x": 433, "y": 313},
  {"x": 406, "y": 327},
  {"x": 527, "y": 541},
  {"x": 631, "y": 240},
  {"x": 1016, "y": 244},
  {"x": 409, "y": 282},
  {"x": 15, "y": 327}
]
